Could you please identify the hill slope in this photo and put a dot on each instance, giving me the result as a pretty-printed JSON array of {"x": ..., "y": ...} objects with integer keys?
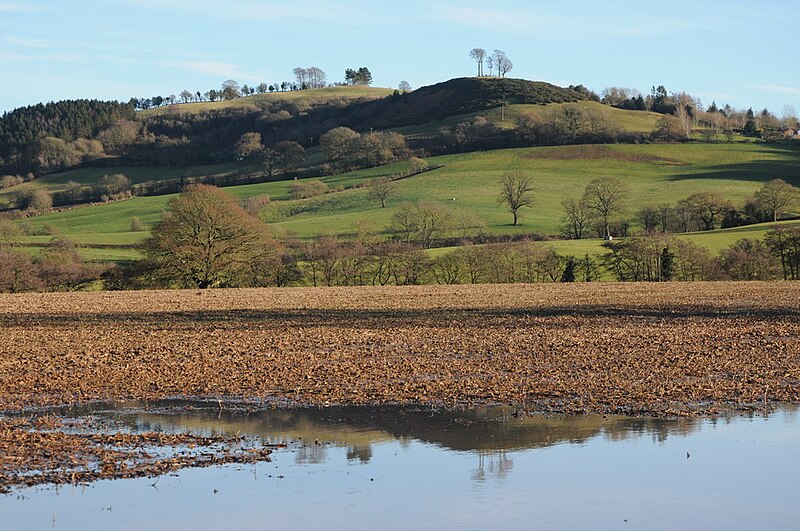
[{"x": 654, "y": 174}]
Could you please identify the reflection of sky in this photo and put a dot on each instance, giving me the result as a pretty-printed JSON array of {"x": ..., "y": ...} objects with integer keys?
[{"x": 741, "y": 475}]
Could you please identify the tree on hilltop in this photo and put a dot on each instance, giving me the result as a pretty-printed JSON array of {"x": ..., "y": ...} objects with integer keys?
[
  {"x": 362, "y": 76},
  {"x": 502, "y": 63},
  {"x": 230, "y": 90},
  {"x": 478, "y": 54}
]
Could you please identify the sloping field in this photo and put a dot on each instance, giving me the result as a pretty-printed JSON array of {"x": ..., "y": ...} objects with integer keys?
[
  {"x": 664, "y": 349},
  {"x": 654, "y": 174},
  {"x": 505, "y": 117},
  {"x": 308, "y": 96},
  {"x": 662, "y": 173}
]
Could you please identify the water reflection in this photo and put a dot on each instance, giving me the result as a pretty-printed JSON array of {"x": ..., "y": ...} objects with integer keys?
[
  {"x": 489, "y": 432},
  {"x": 401, "y": 468}
]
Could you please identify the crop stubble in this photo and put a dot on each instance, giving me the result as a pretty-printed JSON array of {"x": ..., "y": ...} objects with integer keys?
[{"x": 664, "y": 349}]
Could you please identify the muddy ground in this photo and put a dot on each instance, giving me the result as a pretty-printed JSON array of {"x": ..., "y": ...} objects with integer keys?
[
  {"x": 660, "y": 349},
  {"x": 637, "y": 349}
]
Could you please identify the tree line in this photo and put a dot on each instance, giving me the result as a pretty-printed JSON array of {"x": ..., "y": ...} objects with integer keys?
[
  {"x": 497, "y": 61},
  {"x": 206, "y": 239},
  {"x": 304, "y": 79},
  {"x": 602, "y": 211}
]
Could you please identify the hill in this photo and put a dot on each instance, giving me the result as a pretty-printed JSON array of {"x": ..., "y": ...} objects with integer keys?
[
  {"x": 654, "y": 174},
  {"x": 303, "y": 97},
  {"x": 456, "y": 97}
]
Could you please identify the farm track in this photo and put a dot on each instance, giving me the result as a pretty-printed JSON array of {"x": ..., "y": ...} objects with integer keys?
[{"x": 658, "y": 349}]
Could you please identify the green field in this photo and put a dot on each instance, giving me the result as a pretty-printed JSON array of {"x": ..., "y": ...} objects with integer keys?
[
  {"x": 505, "y": 117},
  {"x": 663, "y": 173},
  {"x": 658, "y": 173}
]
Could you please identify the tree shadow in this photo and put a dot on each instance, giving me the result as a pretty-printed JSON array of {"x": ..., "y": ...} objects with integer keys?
[
  {"x": 380, "y": 319},
  {"x": 761, "y": 170}
]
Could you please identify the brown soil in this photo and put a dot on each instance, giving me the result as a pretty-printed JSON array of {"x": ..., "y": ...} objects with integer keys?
[
  {"x": 663, "y": 349},
  {"x": 40, "y": 450}
]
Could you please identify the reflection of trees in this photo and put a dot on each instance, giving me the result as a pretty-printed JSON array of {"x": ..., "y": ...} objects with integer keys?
[
  {"x": 492, "y": 464},
  {"x": 490, "y": 431},
  {"x": 363, "y": 453},
  {"x": 311, "y": 454}
]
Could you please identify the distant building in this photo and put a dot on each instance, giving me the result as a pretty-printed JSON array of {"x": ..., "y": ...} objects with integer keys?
[{"x": 791, "y": 133}]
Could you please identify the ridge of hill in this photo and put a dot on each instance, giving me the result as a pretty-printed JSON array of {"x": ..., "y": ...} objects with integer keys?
[
  {"x": 453, "y": 97},
  {"x": 654, "y": 173},
  {"x": 309, "y": 96}
]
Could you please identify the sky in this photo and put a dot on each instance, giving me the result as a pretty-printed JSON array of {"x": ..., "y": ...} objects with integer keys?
[{"x": 743, "y": 53}]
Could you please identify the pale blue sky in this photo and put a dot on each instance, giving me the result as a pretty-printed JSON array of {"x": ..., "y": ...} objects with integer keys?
[{"x": 738, "y": 52}]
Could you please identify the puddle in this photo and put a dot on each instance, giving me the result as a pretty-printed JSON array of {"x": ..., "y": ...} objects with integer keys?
[{"x": 396, "y": 468}]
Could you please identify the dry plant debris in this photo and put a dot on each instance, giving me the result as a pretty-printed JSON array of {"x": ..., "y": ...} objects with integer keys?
[
  {"x": 46, "y": 450},
  {"x": 662, "y": 349}
]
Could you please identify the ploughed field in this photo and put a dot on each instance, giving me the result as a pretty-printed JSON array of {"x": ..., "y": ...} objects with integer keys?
[{"x": 663, "y": 349}]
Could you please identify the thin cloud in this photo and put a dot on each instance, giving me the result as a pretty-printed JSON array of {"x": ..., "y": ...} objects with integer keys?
[
  {"x": 779, "y": 89},
  {"x": 256, "y": 11},
  {"x": 566, "y": 28},
  {"x": 24, "y": 42},
  {"x": 29, "y": 58},
  {"x": 213, "y": 68},
  {"x": 14, "y": 7}
]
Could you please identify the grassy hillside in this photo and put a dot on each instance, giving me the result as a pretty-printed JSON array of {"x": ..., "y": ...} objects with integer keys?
[
  {"x": 314, "y": 96},
  {"x": 505, "y": 117},
  {"x": 654, "y": 174}
]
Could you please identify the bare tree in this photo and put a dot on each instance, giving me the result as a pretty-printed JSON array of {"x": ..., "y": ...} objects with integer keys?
[
  {"x": 605, "y": 197},
  {"x": 186, "y": 96},
  {"x": 516, "y": 192},
  {"x": 381, "y": 189},
  {"x": 404, "y": 86},
  {"x": 502, "y": 62},
  {"x": 421, "y": 223},
  {"x": 708, "y": 206},
  {"x": 301, "y": 75},
  {"x": 230, "y": 90},
  {"x": 248, "y": 145},
  {"x": 478, "y": 54},
  {"x": 490, "y": 63},
  {"x": 576, "y": 220},
  {"x": 776, "y": 196},
  {"x": 316, "y": 77}
]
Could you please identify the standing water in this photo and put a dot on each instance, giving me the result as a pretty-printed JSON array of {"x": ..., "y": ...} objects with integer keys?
[{"x": 395, "y": 468}]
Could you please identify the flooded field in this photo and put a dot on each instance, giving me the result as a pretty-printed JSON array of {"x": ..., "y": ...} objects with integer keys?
[{"x": 416, "y": 468}]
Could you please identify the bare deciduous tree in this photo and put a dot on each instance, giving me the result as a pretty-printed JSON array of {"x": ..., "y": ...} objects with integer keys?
[
  {"x": 516, "y": 192},
  {"x": 605, "y": 197},
  {"x": 381, "y": 190},
  {"x": 576, "y": 220},
  {"x": 776, "y": 196},
  {"x": 478, "y": 54},
  {"x": 502, "y": 63},
  {"x": 708, "y": 206}
]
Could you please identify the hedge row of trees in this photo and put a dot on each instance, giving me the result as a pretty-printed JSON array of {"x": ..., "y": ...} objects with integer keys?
[
  {"x": 207, "y": 240},
  {"x": 601, "y": 211},
  {"x": 57, "y": 268}
]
